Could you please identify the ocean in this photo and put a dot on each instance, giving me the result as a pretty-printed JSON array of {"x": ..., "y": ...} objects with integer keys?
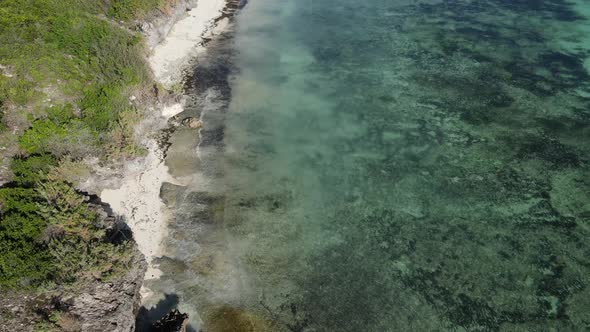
[{"x": 388, "y": 165}]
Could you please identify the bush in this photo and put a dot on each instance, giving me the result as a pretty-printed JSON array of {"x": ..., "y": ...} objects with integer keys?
[
  {"x": 69, "y": 170},
  {"x": 38, "y": 139},
  {"x": 29, "y": 171},
  {"x": 48, "y": 233},
  {"x": 132, "y": 9},
  {"x": 61, "y": 133},
  {"x": 23, "y": 261},
  {"x": 78, "y": 260},
  {"x": 65, "y": 45}
]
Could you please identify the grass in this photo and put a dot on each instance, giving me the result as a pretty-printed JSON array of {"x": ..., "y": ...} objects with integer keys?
[
  {"x": 133, "y": 9},
  {"x": 69, "y": 48},
  {"x": 67, "y": 69}
]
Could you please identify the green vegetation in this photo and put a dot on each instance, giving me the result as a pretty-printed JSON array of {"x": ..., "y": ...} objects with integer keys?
[
  {"x": 67, "y": 51},
  {"x": 58, "y": 321},
  {"x": 48, "y": 235},
  {"x": 132, "y": 9},
  {"x": 67, "y": 70}
]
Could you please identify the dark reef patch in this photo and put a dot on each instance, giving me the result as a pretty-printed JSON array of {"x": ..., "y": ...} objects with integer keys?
[{"x": 548, "y": 149}]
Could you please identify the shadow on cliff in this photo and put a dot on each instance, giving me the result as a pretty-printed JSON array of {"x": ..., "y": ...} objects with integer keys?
[{"x": 146, "y": 318}]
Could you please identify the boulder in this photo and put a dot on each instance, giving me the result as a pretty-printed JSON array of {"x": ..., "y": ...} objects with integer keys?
[
  {"x": 192, "y": 123},
  {"x": 174, "y": 321}
]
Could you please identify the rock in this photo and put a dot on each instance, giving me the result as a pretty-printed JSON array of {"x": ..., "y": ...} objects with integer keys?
[
  {"x": 111, "y": 306},
  {"x": 95, "y": 306},
  {"x": 192, "y": 123},
  {"x": 169, "y": 193},
  {"x": 174, "y": 121},
  {"x": 174, "y": 321},
  {"x": 203, "y": 207}
]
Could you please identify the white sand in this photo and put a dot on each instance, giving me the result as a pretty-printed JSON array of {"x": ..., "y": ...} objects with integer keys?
[
  {"x": 138, "y": 200},
  {"x": 170, "y": 111},
  {"x": 184, "y": 41},
  {"x": 138, "y": 197}
]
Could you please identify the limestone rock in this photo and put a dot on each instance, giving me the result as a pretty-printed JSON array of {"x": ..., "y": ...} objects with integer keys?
[
  {"x": 111, "y": 306},
  {"x": 192, "y": 123}
]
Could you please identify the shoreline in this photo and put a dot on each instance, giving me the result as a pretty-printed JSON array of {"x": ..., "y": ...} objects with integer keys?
[
  {"x": 137, "y": 199},
  {"x": 199, "y": 269},
  {"x": 186, "y": 40}
]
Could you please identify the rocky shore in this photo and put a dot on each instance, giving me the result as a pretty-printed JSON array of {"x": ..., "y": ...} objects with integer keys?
[
  {"x": 131, "y": 212},
  {"x": 176, "y": 40},
  {"x": 98, "y": 306}
]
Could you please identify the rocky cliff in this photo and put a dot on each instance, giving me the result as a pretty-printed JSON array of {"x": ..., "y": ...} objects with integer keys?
[
  {"x": 96, "y": 303},
  {"x": 92, "y": 305},
  {"x": 113, "y": 305}
]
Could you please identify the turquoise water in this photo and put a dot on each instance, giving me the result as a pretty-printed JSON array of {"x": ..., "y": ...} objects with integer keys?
[{"x": 394, "y": 165}]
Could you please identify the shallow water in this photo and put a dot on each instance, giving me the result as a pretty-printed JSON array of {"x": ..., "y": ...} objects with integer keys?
[{"x": 392, "y": 165}]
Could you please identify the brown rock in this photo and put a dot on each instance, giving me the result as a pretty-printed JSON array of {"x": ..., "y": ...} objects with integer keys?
[
  {"x": 111, "y": 306},
  {"x": 192, "y": 123}
]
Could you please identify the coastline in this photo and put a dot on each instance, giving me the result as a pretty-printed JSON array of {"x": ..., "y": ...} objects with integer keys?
[
  {"x": 199, "y": 269},
  {"x": 137, "y": 198},
  {"x": 186, "y": 40}
]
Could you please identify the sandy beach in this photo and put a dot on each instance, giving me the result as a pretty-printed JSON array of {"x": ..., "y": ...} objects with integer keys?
[
  {"x": 137, "y": 199},
  {"x": 185, "y": 41}
]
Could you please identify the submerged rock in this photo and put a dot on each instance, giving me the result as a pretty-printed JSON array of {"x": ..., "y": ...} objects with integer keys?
[
  {"x": 226, "y": 318},
  {"x": 174, "y": 321},
  {"x": 192, "y": 123},
  {"x": 169, "y": 193}
]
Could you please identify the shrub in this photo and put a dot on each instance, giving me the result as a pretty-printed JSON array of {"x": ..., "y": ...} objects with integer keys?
[
  {"x": 28, "y": 171},
  {"x": 48, "y": 233},
  {"x": 69, "y": 170},
  {"x": 38, "y": 139},
  {"x": 62, "y": 206},
  {"x": 23, "y": 261},
  {"x": 47, "y": 230},
  {"x": 60, "y": 134},
  {"x": 79, "y": 260},
  {"x": 132, "y": 9}
]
